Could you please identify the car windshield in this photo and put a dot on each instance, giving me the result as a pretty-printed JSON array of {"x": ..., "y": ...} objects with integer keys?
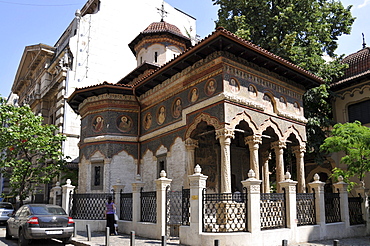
[
  {"x": 5, "y": 205},
  {"x": 48, "y": 210}
]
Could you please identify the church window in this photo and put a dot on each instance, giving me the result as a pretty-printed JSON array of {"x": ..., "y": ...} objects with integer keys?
[
  {"x": 359, "y": 111},
  {"x": 156, "y": 56},
  {"x": 161, "y": 164},
  {"x": 97, "y": 176}
]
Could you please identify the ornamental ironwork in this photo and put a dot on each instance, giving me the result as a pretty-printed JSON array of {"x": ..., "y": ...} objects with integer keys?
[
  {"x": 273, "y": 211},
  {"x": 125, "y": 212},
  {"x": 332, "y": 207},
  {"x": 89, "y": 206},
  {"x": 225, "y": 212},
  {"x": 148, "y": 206},
  {"x": 355, "y": 210},
  {"x": 306, "y": 214},
  {"x": 186, "y": 207}
]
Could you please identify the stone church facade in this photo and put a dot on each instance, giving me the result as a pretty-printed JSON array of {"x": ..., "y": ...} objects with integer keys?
[{"x": 225, "y": 104}]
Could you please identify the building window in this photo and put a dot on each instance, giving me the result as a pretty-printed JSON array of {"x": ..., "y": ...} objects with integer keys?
[
  {"x": 97, "y": 171},
  {"x": 359, "y": 111},
  {"x": 161, "y": 164},
  {"x": 156, "y": 56}
]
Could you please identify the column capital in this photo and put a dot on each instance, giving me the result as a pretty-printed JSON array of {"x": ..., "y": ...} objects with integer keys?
[
  {"x": 191, "y": 143},
  {"x": 299, "y": 149},
  {"x": 224, "y": 133},
  {"x": 252, "y": 140},
  {"x": 278, "y": 145}
]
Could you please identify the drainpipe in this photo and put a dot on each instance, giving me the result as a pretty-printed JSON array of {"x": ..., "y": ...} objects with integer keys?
[{"x": 138, "y": 134}]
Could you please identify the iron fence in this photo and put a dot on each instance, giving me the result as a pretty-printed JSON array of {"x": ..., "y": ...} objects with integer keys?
[
  {"x": 355, "y": 210},
  {"x": 332, "y": 207},
  {"x": 225, "y": 212},
  {"x": 306, "y": 212},
  {"x": 186, "y": 207},
  {"x": 89, "y": 206},
  {"x": 125, "y": 206},
  {"x": 148, "y": 206},
  {"x": 273, "y": 211}
]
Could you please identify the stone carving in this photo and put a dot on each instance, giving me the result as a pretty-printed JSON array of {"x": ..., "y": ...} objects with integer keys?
[
  {"x": 203, "y": 117},
  {"x": 234, "y": 86}
]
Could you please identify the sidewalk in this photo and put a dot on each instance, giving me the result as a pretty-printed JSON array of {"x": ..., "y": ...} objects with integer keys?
[{"x": 98, "y": 239}]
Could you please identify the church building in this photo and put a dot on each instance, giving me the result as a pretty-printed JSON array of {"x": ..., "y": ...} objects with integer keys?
[{"x": 224, "y": 103}]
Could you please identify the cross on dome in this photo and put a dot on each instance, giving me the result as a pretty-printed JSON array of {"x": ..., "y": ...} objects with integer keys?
[{"x": 163, "y": 13}]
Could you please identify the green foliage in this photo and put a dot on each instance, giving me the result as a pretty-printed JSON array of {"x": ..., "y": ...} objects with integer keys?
[
  {"x": 303, "y": 32},
  {"x": 353, "y": 140},
  {"x": 31, "y": 151},
  {"x": 298, "y": 31}
]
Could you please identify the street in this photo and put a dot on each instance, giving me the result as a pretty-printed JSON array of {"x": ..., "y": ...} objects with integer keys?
[{"x": 14, "y": 242}]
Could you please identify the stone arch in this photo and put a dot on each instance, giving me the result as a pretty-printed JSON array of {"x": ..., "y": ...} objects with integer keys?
[
  {"x": 295, "y": 132},
  {"x": 247, "y": 118},
  {"x": 210, "y": 120},
  {"x": 270, "y": 123},
  {"x": 269, "y": 102}
]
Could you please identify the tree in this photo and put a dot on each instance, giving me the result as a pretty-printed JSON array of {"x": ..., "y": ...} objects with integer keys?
[
  {"x": 354, "y": 140},
  {"x": 303, "y": 32},
  {"x": 31, "y": 151}
]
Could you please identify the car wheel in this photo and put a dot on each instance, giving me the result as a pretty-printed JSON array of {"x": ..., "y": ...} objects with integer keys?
[
  {"x": 22, "y": 241},
  {"x": 66, "y": 240},
  {"x": 7, "y": 234}
]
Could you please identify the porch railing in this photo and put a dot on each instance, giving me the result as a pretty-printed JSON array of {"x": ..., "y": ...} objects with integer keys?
[
  {"x": 306, "y": 212},
  {"x": 273, "y": 211},
  {"x": 355, "y": 210},
  {"x": 148, "y": 206},
  {"x": 125, "y": 206},
  {"x": 332, "y": 207}
]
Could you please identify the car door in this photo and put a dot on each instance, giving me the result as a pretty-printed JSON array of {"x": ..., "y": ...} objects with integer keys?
[{"x": 13, "y": 222}]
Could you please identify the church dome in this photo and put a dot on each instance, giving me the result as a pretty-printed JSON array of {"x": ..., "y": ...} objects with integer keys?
[
  {"x": 358, "y": 62},
  {"x": 158, "y": 27}
]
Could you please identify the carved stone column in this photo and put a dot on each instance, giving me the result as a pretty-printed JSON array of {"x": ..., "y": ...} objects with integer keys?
[
  {"x": 299, "y": 154},
  {"x": 265, "y": 157},
  {"x": 278, "y": 147},
  {"x": 224, "y": 136},
  {"x": 253, "y": 142},
  {"x": 190, "y": 144}
]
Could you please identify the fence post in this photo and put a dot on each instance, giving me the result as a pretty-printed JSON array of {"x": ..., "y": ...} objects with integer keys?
[
  {"x": 161, "y": 185},
  {"x": 363, "y": 192},
  {"x": 117, "y": 191},
  {"x": 67, "y": 190},
  {"x": 343, "y": 194},
  {"x": 291, "y": 201},
  {"x": 136, "y": 204},
  {"x": 54, "y": 192},
  {"x": 253, "y": 187},
  {"x": 197, "y": 184},
  {"x": 318, "y": 187}
]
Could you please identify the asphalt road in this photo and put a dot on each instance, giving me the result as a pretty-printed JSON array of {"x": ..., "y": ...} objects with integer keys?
[{"x": 14, "y": 242}]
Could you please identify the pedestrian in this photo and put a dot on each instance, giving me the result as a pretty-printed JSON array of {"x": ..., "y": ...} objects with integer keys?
[{"x": 110, "y": 212}]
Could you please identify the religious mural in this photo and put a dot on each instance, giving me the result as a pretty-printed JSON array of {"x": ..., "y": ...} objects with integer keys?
[
  {"x": 210, "y": 87},
  {"x": 176, "y": 108},
  {"x": 98, "y": 123},
  {"x": 124, "y": 123},
  {"x": 193, "y": 95},
  {"x": 161, "y": 115}
]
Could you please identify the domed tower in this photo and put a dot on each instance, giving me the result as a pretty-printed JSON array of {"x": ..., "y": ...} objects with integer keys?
[{"x": 159, "y": 43}]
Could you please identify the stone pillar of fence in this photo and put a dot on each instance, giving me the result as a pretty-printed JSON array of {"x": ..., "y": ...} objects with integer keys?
[
  {"x": 363, "y": 192},
  {"x": 117, "y": 191},
  {"x": 197, "y": 185},
  {"x": 67, "y": 191},
  {"x": 341, "y": 186},
  {"x": 291, "y": 201},
  {"x": 253, "y": 187},
  {"x": 161, "y": 184},
  {"x": 54, "y": 192},
  {"x": 318, "y": 187},
  {"x": 136, "y": 203}
]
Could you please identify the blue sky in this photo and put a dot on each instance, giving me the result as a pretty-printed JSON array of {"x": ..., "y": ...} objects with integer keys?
[{"x": 28, "y": 22}]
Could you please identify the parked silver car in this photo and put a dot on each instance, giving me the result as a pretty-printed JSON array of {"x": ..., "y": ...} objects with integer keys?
[
  {"x": 5, "y": 209},
  {"x": 39, "y": 221}
]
